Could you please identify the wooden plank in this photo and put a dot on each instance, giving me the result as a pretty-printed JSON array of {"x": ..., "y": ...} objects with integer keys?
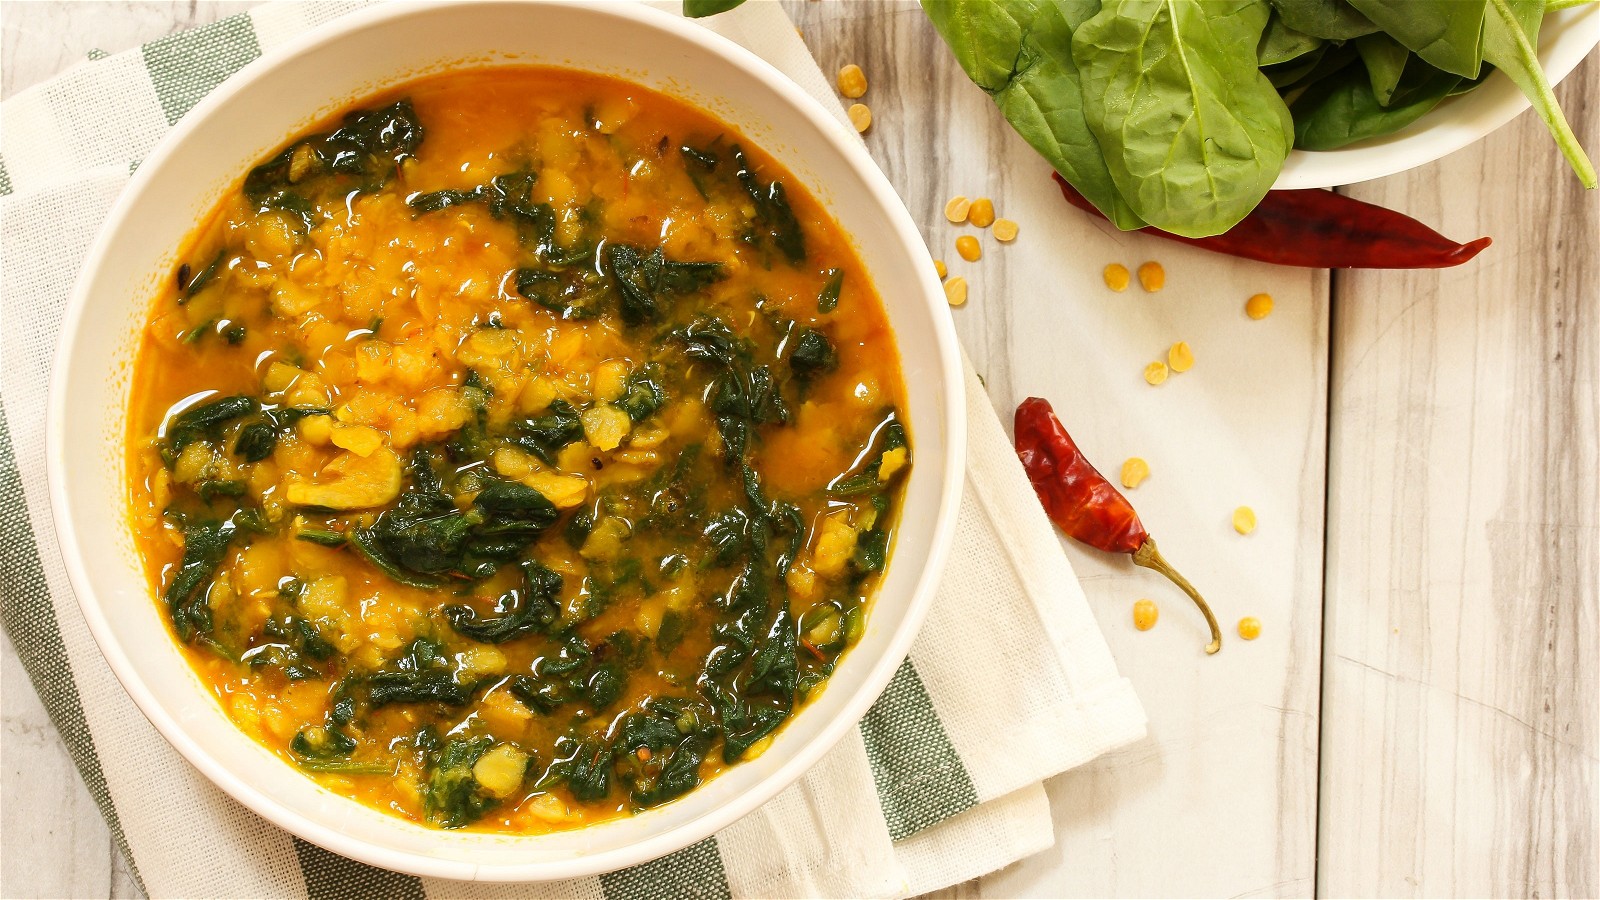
[
  {"x": 1460, "y": 722},
  {"x": 55, "y": 843},
  {"x": 1221, "y": 799}
]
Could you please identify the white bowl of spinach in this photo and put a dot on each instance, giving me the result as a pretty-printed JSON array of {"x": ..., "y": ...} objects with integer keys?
[{"x": 1182, "y": 114}]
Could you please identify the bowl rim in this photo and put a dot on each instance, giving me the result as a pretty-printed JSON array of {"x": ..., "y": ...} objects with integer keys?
[
  {"x": 952, "y": 407},
  {"x": 1456, "y": 123}
]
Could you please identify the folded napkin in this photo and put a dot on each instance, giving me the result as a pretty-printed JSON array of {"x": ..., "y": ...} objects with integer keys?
[{"x": 1009, "y": 682}]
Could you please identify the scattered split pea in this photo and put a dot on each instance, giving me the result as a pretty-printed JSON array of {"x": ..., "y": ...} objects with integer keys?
[
  {"x": 860, "y": 116},
  {"x": 1134, "y": 471},
  {"x": 1156, "y": 372},
  {"x": 1258, "y": 306},
  {"x": 1180, "y": 358},
  {"x": 1244, "y": 520},
  {"x": 1152, "y": 276},
  {"x": 982, "y": 212},
  {"x": 1249, "y": 628},
  {"x": 1145, "y": 614},
  {"x": 968, "y": 247},
  {"x": 1116, "y": 276},
  {"x": 956, "y": 209},
  {"x": 852, "y": 81},
  {"x": 955, "y": 291},
  {"x": 1005, "y": 230},
  {"x": 939, "y": 266}
]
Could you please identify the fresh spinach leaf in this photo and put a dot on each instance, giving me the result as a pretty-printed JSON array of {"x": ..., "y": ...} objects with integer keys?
[
  {"x": 1385, "y": 59},
  {"x": 1448, "y": 34},
  {"x": 1510, "y": 43},
  {"x": 1020, "y": 53},
  {"x": 698, "y": 9},
  {"x": 1342, "y": 109},
  {"x": 1193, "y": 134},
  {"x": 1333, "y": 20},
  {"x": 1280, "y": 43}
]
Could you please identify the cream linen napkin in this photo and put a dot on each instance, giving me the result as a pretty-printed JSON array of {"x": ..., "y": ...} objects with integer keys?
[{"x": 939, "y": 784}]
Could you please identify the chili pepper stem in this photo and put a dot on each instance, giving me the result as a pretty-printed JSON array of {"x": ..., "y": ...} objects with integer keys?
[{"x": 1148, "y": 556}]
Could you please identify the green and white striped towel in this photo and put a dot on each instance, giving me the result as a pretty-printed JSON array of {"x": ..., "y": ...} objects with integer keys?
[{"x": 1009, "y": 682}]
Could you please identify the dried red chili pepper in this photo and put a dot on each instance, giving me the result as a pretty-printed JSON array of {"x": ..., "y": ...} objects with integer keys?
[
  {"x": 1084, "y": 504},
  {"x": 1322, "y": 230}
]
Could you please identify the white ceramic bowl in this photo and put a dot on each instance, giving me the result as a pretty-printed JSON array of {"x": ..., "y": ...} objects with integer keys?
[
  {"x": 254, "y": 112},
  {"x": 1564, "y": 40}
]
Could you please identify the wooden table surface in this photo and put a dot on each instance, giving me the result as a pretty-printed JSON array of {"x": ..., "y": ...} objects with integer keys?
[{"x": 1422, "y": 714}]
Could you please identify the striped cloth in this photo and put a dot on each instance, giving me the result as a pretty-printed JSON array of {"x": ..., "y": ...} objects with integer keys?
[{"x": 1009, "y": 682}]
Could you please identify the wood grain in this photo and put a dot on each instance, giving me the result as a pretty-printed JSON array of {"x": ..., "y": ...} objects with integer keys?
[
  {"x": 1233, "y": 738},
  {"x": 1463, "y": 626}
]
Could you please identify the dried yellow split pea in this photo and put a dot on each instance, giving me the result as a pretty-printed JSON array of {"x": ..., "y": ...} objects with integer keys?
[
  {"x": 1156, "y": 372},
  {"x": 860, "y": 116},
  {"x": 939, "y": 266},
  {"x": 1134, "y": 471},
  {"x": 1258, "y": 306},
  {"x": 955, "y": 291},
  {"x": 1005, "y": 230},
  {"x": 968, "y": 247},
  {"x": 1249, "y": 628},
  {"x": 1116, "y": 276},
  {"x": 852, "y": 81},
  {"x": 1152, "y": 276},
  {"x": 956, "y": 209},
  {"x": 1145, "y": 614},
  {"x": 982, "y": 214},
  {"x": 1180, "y": 358},
  {"x": 1244, "y": 520}
]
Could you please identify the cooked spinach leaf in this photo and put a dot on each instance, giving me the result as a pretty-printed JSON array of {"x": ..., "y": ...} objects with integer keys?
[
  {"x": 647, "y": 282},
  {"x": 205, "y": 542},
  {"x": 585, "y": 766},
  {"x": 451, "y": 797},
  {"x": 205, "y": 421},
  {"x": 813, "y": 355},
  {"x": 775, "y": 220},
  {"x": 206, "y": 276},
  {"x": 828, "y": 300},
  {"x": 534, "y": 606},
  {"x": 644, "y": 393},
  {"x": 421, "y": 675},
  {"x": 546, "y": 435}
]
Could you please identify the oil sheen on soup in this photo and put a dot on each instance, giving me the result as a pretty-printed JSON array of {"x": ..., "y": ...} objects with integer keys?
[{"x": 516, "y": 450}]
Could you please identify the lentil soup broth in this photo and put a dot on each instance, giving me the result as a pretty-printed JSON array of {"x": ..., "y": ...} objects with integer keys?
[{"x": 516, "y": 450}]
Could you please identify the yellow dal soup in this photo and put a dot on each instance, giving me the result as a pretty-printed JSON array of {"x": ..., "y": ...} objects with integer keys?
[{"x": 517, "y": 450}]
